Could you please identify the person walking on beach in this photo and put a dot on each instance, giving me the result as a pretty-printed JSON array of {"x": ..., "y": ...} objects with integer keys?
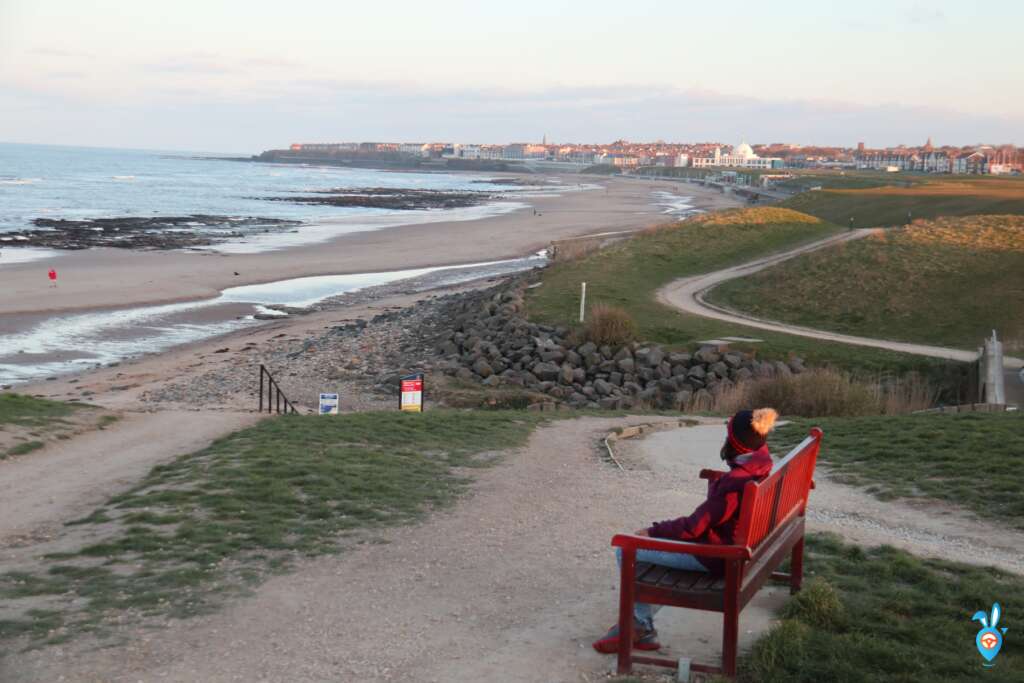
[
  {"x": 746, "y": 452},
  {"x": 53, "y": 277}
]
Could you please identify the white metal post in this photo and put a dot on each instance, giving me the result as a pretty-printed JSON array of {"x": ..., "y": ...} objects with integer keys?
[{"x": 583, "y": 300}]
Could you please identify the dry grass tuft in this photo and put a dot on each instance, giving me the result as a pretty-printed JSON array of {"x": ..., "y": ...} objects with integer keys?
[
  {"x": 824, "y": 392},
  {"x": 609, "y": 325}
]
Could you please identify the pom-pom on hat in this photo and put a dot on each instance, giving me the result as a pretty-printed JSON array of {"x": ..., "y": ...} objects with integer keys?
[{"x": 748, "y": 429}]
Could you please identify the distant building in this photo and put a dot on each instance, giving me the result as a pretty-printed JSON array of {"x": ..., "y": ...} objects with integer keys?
[{"x": 741, "y": 156}]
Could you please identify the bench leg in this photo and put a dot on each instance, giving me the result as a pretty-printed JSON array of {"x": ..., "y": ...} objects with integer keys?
[
  {"x": 626, "y": 600},
  {"x": 730, "y": 619},
  {"x": 796, "y": 567}
]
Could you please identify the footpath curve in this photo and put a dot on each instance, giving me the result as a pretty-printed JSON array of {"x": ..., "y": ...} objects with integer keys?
[{"x": 688, "y": 295}]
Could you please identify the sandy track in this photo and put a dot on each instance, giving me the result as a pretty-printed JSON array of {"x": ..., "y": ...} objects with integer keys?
[
  {"x": 688, "y": 294},
  {"x": 42, "y": 490}
]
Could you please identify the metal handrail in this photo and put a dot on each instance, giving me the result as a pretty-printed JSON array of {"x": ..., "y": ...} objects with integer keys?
[{"x": 275, "y": 397}]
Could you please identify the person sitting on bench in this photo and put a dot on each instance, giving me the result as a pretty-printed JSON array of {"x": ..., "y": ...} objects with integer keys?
[{"x": 746, "y": 452}]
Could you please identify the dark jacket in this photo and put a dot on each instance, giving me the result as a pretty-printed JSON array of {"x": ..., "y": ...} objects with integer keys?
[{"x": 714, "y": 520}]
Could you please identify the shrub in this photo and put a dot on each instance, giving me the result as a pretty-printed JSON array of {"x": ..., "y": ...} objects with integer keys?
[{"x": 609, "y": 325}]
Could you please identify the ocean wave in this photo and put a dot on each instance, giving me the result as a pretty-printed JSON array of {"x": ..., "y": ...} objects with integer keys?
[{"x": 20, "y": 181}]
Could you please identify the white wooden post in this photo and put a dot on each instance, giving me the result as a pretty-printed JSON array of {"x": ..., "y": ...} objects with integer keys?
[{"x": 583, "y": 300}]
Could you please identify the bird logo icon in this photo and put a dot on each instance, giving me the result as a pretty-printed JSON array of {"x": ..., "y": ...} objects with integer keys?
[{"x": 990, "y": 638}]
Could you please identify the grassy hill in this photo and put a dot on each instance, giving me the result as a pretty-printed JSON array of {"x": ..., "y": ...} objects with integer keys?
[
  {"x": 628, "y": 275},
  {"x": 947, "y": 282},
  {"x": 885, "y": 206}
]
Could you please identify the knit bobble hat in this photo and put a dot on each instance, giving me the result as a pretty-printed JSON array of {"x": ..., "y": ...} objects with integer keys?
[{"x": 748, "y": 429}]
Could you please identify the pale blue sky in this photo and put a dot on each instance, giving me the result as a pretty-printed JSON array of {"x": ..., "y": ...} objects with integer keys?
[{"x": 244, "y": 76}]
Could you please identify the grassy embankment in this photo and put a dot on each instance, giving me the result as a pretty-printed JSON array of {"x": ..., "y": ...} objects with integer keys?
[
  {"x": 27, "y": 423},
  {"x": 972, "y": 460},
  {"x": 215, "y": 522},
  {"x": 947, "y": 282},
  {"x": 629, "y": 274},
  {"x": 889, "y": 205}
]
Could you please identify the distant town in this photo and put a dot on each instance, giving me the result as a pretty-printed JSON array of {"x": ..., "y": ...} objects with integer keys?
[{"x": 926, "y": 158}]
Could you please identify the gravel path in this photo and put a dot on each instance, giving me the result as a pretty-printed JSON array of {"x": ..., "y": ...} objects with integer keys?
[
  {"x": 688, "y": 294},
  {"x": 510, "y": 585}
]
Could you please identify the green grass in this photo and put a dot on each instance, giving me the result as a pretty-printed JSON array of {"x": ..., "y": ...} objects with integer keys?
[
  {"x": 887, "y": 206},
  {"x": 26, "y": 447},
  {"x": 972, "y": 460},
  {"x": 213, "y": 523},
  {"x": 628, "y": 275},
  {"x": 882, "y": 614},
  {"x": 948, "y": 282},
  {"x": 26, "y": 411}
]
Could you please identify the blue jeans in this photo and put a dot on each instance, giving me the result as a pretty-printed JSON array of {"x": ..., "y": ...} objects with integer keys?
[{"x": 642, "y": 612}]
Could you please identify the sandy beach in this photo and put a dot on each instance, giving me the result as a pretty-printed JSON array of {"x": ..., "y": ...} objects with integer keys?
[{"x": 111, "y": 278}]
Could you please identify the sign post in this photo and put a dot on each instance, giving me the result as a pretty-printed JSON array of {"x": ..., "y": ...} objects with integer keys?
[
  {"x": 329, "y": 404},
  {"x": 411, "y": 399}
]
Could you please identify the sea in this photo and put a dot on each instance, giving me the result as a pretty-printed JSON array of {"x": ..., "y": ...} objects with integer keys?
[{"x": 75, "y": 183}]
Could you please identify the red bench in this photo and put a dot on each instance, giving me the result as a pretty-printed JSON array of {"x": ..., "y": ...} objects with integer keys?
[{"x": 770, "y": 528}]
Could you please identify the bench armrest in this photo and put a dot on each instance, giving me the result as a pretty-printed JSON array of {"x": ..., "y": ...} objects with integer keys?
[
  {"x": 712, "y": 475},
  {"x": 724, "y": 552}
]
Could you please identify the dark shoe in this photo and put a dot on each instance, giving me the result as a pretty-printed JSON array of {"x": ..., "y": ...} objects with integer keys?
[{"x": 643, "y": 639}]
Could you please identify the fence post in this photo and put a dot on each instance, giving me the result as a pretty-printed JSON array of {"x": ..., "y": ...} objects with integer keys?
[
  {"x": 261, "y": 388},
  {"x": 992, "y": 369},
  {"x": 583, "y": 300}
]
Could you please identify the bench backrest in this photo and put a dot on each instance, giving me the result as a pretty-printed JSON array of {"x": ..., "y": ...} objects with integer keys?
[{"x": 770, "y": 503}]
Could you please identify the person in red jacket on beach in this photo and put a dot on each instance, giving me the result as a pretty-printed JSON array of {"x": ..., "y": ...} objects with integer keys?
[{"x": 714, "y": 521}]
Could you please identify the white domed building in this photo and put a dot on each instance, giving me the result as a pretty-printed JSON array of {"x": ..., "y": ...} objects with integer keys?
[{"x": 741, "y": 156}]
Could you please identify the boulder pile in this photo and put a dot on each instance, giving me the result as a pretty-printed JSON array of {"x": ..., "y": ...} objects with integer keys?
[{"x": 491, "y": 341}]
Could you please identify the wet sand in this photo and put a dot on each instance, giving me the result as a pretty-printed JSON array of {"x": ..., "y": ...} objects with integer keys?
[{"x": 108, "y": 278}]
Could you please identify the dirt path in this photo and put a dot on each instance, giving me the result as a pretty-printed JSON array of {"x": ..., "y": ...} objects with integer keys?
[
  {"x": 510, "y": 585},
  {"x": 929, "y": 528},
  {"x": 688, "y": 295},
  {"x": 65, "y": 480}
]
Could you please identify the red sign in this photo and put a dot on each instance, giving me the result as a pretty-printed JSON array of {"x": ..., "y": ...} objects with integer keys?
[{"x": 412, "y": 393}]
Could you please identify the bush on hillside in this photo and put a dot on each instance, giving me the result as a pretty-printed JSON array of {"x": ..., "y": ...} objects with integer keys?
[{"x": 609, "y": 325}]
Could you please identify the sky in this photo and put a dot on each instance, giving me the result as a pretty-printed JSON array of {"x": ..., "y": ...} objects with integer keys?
[{"x": 240, "y": 77}]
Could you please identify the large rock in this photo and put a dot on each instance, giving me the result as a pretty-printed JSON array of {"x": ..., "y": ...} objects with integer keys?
[
  {"x": 483, "y": 368},
  {"x": 649, "y": 355},
  {"x": 707, "y": 355},
  {"x": 720, "y": 369},
  {"x": 546, "y": 372},
  {"x": 565, "y": 374},
  {"x": 602, "y": 387},
  {"x": 697, "y": 372},
  {"x": 626, "y": 365},
  {"x": 615, "y": 378},
  {"x": 782, "y": 370},
  {"x": 586, "y": 349},
  {"x": 623, "y": 354},
  {"x": 679, "y": 358}
]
